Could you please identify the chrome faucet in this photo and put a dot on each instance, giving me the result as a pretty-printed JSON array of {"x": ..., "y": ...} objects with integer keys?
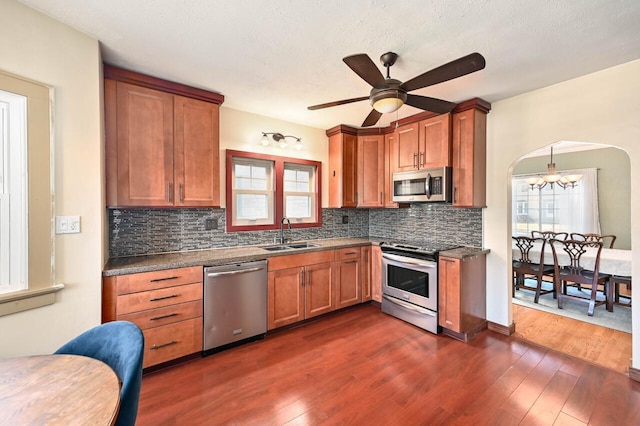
[{"x": 282, "y": 228}]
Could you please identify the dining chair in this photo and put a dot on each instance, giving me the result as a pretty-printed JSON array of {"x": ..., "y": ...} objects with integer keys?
[
  {"x": 524, "y": 267},
  {"x": 570, "y": 270},
  {"x": 550, "y": 235},
  {"x": 120, "y": 345},
  {"x": 616, "y": 280},
  {"x": 592, "y": 238}
]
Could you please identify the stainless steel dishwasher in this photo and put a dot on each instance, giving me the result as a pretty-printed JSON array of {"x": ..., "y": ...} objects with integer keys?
[{"x": 235, "y": 304}]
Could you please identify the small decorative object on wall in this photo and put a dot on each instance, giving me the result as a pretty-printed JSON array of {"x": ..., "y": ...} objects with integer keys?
[
  {"x": 280, "y": 139},
  {"x": 552, "y": 176}
]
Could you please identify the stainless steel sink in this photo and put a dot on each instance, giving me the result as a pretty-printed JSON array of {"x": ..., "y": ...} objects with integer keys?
[{"x": 289, "y": 246}]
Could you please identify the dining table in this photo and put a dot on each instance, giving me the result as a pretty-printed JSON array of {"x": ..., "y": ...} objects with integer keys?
[
  {"x": 58, "y": 390},
  {"x": 612, "y": 261}
]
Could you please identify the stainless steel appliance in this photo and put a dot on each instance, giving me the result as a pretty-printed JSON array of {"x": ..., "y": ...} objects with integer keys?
[
  {"x": 426, "y": 185},
  {"x": 410, "y": 282},
  {"x": 235, "y": 304}
]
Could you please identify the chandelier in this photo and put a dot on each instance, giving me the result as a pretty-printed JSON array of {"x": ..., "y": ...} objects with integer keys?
[{"x": 553, "y": 177}]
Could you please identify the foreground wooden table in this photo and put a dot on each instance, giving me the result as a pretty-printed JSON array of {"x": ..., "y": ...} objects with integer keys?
[{"x": 57, "y": 390}]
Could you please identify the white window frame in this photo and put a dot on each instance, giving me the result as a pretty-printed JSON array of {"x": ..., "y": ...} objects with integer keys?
[
  {"x": 311, "y": 193},
  {"x": 13, "y": 193},
  {"x": 269, "y": 191}
]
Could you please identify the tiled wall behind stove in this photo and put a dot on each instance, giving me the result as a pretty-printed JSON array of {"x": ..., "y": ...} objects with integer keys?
[
  {"x": 146, "y": 231},
  {"x": 436, "y": 223}
]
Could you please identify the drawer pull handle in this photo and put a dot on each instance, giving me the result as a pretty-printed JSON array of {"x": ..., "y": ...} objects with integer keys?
[
  {"x": 351, "y": 252},
  {"x": 352, "y": 261},
  {"x": 163, "y": 279},
  {"x": 156, "y": 347},
  {"x": 162, "y": 317},
  {"x": 155, "y": 299}
]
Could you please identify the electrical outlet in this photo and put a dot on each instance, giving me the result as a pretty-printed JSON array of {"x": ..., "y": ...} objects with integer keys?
[
  {"x": 345, "y": 219},
  {"x": 210, "y": 224}
]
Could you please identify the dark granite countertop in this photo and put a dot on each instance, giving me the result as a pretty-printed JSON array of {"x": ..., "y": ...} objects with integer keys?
[
  {"x": 464, "y": 252},
  {"x": 212, "y": 257}
]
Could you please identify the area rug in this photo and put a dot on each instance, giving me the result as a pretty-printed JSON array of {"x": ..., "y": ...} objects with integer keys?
[{"x": 619, "y": 319}]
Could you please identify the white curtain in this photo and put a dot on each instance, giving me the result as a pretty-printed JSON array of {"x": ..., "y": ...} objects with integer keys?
[{"x": 556, "y": 209}]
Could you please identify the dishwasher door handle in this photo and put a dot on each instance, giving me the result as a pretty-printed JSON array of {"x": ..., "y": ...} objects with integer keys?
[{"x": 240, "y": 271}]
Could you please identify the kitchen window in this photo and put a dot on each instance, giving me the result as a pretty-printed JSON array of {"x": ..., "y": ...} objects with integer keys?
[{"x": 261, "y": 189}]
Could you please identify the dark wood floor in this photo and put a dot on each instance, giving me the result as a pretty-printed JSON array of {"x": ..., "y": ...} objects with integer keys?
[{"x": 361, "y": 366}]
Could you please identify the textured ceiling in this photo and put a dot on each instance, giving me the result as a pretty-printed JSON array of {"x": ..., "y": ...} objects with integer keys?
[{"x": 276, "y": 57}]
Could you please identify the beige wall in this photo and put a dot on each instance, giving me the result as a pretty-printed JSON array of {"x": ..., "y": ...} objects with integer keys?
[
  {"x": 41, "y": 49},
  {"x": 242, "y": 131},
  {"x": 602, "y": 108}
]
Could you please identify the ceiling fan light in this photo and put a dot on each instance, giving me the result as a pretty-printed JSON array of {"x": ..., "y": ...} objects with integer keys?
[{"x": 387, "y": 105}]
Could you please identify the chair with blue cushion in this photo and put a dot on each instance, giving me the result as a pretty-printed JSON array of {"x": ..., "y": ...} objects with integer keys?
[{"x": 119, "y": 344}]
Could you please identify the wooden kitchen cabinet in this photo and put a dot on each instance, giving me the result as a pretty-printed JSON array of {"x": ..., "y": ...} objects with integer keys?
[
  {"x": 162, "y": 148},
  {"x": 405, "y": 148},
  {"x": 366, "y": 273},
  {"x": 348, "y": 286},
  {"x": 300, "y": 286},
  {"x": 166, "y": 305},
  {"x": 469, "y": 156},
  {"x": 462, "y": 296},
  {"x": 435, "y": 142},
  {"x": 376, "y": 273},
  {"x": 388, "y": 175},
  {"x": 370, "y": 164},
  {"x": 343, "y": 167}
]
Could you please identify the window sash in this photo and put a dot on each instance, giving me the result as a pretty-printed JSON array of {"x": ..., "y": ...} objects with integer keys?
[{"x": 244, "y": 218}]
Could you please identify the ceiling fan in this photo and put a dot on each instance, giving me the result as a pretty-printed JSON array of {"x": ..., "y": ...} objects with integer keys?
[{"x": 389, "y": 94}]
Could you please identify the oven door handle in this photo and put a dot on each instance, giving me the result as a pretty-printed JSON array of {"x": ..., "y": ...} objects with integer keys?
[
  {"x": 403, "y": 259},
  {"x": 409, "y": 306}
]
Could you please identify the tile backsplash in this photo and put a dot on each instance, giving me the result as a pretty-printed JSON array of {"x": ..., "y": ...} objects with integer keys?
[{"x": 147, "y": 231}]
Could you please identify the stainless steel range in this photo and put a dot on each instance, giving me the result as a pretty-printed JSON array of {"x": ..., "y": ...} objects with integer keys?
[{"x": 410, "y": 282}]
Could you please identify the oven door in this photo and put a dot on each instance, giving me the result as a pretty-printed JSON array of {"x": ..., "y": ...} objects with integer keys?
[{"x": 412, "y": 280}]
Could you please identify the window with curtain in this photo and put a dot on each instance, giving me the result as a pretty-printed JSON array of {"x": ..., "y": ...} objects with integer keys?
[{"x": 555, "y": 209}]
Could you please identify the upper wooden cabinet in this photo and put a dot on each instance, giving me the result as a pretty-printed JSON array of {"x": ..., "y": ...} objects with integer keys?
[
  {"x": 343, "y": 166},
  {"x": 469, "y": 158},
  {"x": 389, "y": 139},
  {"x": 370, "y": 165},
  {"x": 423, "y": 144},
  {"x": 161, "y": 147}
]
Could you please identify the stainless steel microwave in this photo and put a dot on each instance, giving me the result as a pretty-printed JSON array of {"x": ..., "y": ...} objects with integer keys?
[{"x": 426, "y": 185}]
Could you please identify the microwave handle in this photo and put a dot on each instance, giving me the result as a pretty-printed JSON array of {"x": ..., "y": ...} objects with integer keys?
[{"x": 427, "y": 186}]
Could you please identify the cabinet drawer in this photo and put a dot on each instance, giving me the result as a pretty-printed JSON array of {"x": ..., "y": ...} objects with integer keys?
[
  {"x": 348, "y": 253},
  {"x": 302, "y": 259},
  {"x": 166, "y": 315},
  {"x": 133, "y": 283},
  {"x": 172, "y": 341},
  {"x": 144, "y": 300}
]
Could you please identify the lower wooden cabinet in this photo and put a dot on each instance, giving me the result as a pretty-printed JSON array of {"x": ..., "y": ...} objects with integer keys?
[
  {"x": 462, "y": 295},
  {"x": 348, "y": 291},
  {"x": 166, "y": 305},
  {"x": 366, "y": 273},
  {"x": 376, "y": 273}
]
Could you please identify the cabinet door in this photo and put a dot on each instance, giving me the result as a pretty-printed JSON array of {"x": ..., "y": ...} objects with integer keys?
[
  {"x": 388, "y": 176},
  {"x": 196, "y": 153},
  {"x": 144, "y": 144},
  {"x": 285, "y": 297},
  {"x": 405, "y": 148},
  {"x": 347, "y": 283},
  {"x": 376, "y": 273},
  {"x": 370, "y": 164},
  {"x": 469, "y": 158},
  {"x": 449, "y": 293},
  {"x": 435, "y": 142},
  {"x": 343, "y": 170},
  {"x": 318, "y": 289},
  {"x": 365, "y": 278}
]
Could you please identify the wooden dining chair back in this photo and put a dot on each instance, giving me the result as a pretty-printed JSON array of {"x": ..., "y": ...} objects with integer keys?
[
  {"x": 568, "y": 268},
  {"x": 524, "y": 266},
  {"x": 550, "y": 235},
  {"x": 606, "y": 240}
]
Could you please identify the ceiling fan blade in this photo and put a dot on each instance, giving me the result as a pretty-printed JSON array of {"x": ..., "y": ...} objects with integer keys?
[
  {"x": 454, "y": 69},
  {"x": 372, "y": 118},
  {"x": 430, "y": 104},
  {"x": 336, "y": 103},
  {"x": 362, "y": 65}
]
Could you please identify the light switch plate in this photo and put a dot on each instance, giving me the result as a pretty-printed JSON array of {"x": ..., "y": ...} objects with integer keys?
[{"x": 67, "y": 224}]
